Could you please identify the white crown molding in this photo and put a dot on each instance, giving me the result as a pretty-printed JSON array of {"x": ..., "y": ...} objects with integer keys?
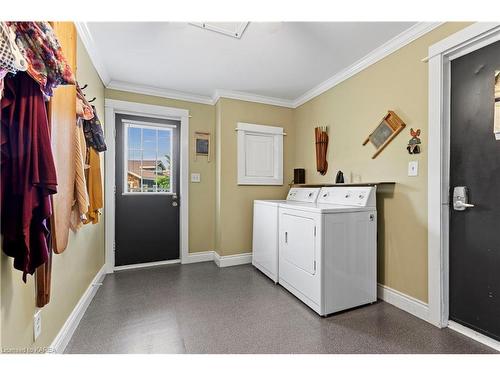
[
  {"x": 239, "y": 95},
  {"x": 374, "y": 56},
  {"x": 399, "y": 41},
  {"x": 157, "y": 91},
  {"x": 88, "y": 42}
]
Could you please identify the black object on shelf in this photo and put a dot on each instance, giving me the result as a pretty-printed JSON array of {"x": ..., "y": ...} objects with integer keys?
[
  {"x": 340, "y": 178},
  {"x": 299, "y": 176}
]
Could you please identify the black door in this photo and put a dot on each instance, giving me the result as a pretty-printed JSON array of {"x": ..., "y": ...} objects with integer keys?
[
  {"x": 475, "y": 164},
  {"x": 147, "y": 190}
]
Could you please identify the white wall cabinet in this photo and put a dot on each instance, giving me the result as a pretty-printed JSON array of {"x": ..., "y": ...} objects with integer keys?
[{"x": 260, "y": 154}]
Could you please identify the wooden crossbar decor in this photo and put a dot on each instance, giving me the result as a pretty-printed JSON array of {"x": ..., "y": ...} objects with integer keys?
[{"x": 390, "y": 126}]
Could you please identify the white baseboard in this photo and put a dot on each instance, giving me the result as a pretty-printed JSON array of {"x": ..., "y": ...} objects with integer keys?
[
  {"x": 403, "y": 301},
  {"x": 146, "y": 265},
  {"x": 232, "y": 260},
  {"x": 69, "y": 327},
  {"x": 488, "y": 341},
  {"x": 202, "y": 256}
]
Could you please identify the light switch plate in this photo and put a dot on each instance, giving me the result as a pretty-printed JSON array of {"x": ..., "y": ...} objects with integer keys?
[
  {"x": 413, "y": 168},
  {"x": 195, "y": 177},
  {"x": 37, "y": 324}
]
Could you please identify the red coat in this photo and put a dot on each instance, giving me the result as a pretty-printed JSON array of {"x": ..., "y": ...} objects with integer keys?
[{"x": 28, "y": 174}]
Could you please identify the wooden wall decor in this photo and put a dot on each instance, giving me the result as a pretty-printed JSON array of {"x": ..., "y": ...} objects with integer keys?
[
  {"x": 62, "y": 118},
  {"x": 202, "y": 146},
  {"x": 390, "y": 126},
  {"x": 321, "y": 137}
]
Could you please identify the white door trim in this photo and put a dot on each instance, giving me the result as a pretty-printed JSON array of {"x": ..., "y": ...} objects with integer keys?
[
  {"x": 113, "y": 107},
  {"x": 441, "y": 54}
]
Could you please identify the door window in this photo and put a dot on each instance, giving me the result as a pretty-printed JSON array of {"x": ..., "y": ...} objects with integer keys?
[{"x": 148, "y": 155}]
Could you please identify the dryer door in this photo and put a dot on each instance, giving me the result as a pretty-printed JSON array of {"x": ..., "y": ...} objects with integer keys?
[
  {"x": 300, "y": 255},
  {"x": 299, "y": 241}
]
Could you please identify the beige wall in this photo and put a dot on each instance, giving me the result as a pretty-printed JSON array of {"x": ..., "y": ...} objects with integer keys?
[
  {"x": 352, "y": 110},
  {"x": 201, "y": 195},
  {"x": 235, "y": 203},
  {"x": 72, "y": 271}
]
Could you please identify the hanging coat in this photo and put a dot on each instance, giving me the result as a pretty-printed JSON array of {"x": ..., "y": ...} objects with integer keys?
[
  {"x": 28, "y": 175},
  {"x": 94, "y": 186}
]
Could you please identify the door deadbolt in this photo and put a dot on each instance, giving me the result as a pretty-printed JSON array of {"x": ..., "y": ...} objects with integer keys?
[{"x": 175, "y": 204}]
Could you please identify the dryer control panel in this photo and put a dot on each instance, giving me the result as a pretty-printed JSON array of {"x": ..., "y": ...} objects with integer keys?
[
  {"x": 308, "y": 195},
  {"x": 360, "y": 196}
]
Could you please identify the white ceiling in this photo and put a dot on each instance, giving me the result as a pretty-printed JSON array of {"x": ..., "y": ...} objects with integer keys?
[{"x": 282, "y": 60}]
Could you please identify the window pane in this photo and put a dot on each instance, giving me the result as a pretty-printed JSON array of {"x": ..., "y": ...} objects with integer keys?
[
  {"x": 149, "y": 160},
  {"x": 164, "y": 171},
  {"x": 134, "y": 138},
  {"x": 148, "y": 153},
  {"x": 134, "y": 171}
]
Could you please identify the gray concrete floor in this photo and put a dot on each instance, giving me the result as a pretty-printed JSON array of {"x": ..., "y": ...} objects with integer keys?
[{"x": 200, "y": 308}]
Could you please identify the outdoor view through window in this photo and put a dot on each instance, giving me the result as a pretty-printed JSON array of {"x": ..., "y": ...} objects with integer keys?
[{"x": 148, "y": 153}]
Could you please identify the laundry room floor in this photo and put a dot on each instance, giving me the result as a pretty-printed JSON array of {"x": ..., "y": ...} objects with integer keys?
[{"x": 200, "y": 308}]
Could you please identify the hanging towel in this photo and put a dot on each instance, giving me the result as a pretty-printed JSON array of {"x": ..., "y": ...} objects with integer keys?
[
  {"x": 28, "y": 175},
  {"x": 94, "y": 186},
  {"x": 81, "y": 203},
  {"x": 496, "y": 126}
]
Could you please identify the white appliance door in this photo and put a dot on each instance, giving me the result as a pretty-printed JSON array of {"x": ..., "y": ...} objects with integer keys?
[
  {"x": 298, "y": 253},
  {"x": 265, "y": 239}
]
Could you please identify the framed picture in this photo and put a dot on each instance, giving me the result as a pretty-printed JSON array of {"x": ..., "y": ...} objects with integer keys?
[
  {"x": 202, "y": 145},
  {"x": 390, "y": 126}
]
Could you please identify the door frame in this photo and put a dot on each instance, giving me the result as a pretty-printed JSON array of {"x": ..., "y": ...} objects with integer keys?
[
  {"x": 441, "y": 54},
  {"x": 112, "y": 108}
]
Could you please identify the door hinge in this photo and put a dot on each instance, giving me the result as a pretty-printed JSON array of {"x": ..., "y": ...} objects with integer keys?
[
  {"x": 314, "y": 265},
  {"x": 114, "y": 246},
  {"x": 314, "y": 231}
]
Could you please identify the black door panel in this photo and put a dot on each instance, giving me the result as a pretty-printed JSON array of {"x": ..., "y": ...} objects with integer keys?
[
  {"x": 146, "y": 223},
  {"x": 475, "y": 163}
]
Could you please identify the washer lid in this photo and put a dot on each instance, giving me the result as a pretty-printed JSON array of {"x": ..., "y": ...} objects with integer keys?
[
  {"x": 323, "y": 208},
  {"x": 269, "y": 202}
]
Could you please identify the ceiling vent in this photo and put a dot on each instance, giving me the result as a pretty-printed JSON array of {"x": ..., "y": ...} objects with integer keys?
[{"x": 234, "y": 29}]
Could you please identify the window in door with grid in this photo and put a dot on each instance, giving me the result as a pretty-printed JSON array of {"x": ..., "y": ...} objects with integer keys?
[{"x": 148, "y": 152}]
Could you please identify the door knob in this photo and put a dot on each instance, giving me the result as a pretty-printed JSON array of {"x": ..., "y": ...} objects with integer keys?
[{"x": 461, "y": 198}]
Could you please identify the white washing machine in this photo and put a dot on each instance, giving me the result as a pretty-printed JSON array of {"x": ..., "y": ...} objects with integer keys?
[
  {"x": 265, "y": 229},
  {"x": 328, "y": 250}
]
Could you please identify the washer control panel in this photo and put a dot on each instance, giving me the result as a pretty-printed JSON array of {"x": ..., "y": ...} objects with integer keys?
[{"x": 362, "y": 196}]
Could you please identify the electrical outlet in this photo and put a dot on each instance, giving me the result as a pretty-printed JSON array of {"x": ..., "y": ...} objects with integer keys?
[
  {"x": 37, "y": 324},
  {"x": 413, "y": 168},
  {"x": 195, "y": 177}
]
